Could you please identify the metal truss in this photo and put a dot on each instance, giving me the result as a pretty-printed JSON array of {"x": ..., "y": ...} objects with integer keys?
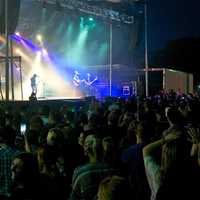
[{"x": 85, "y": 7}]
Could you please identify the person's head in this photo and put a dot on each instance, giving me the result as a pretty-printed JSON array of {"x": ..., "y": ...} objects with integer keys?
[
  {"x": 82, "y": 136},
  {"x": 36, "y": 123},
  {"x": 131, "y": 136},
  {"x": 46, "y": 159},
  {"x": 7, "y": 136},
  {"x": 54, "y": 117},
  {"x": 128, "y": 117},
  {"x": 93, "y": 148},
  {"x": 109, "y": 150},
  {"x": 44, "y": 113},
  {"x": 81, "y": 139},
  {"x": 108, "y": 143},
  {"x": 113, "y": 188},
  {"x": 24, "y": 168},
  {"x": 33, "y": 133},
  {"x": 173, "y": 115},
  {"x": 148, "y": 105},
  {"x": 113, "y": 117},
  {"x": 144, "y": 131},
  {"x": 55, "y": 137},
  {"x": 94, "y": 121},
  {"x": 175, "y": 156}
]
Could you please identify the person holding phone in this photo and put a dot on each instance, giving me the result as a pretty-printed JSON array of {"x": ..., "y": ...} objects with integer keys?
[
  {"x": 23, "y": 129},
  {"x": 28, "y": 147}
]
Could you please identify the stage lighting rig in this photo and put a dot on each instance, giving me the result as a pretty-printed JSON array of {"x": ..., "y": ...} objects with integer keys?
[
  {"x": 99, "y": 11},
  {"x": 58, "y": 6},
  {"x": 44, "y": 3}
]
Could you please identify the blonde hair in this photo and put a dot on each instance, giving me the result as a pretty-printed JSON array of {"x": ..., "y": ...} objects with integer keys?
[
  {"x": 94, "y": 146},
  {"x": 113, "y": 188}
]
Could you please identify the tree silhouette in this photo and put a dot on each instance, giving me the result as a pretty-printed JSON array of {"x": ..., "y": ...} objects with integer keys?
[{"x": 181, "y": 54}]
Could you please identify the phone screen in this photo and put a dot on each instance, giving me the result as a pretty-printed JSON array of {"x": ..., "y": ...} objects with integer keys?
[{"x": 23, "y": 129}]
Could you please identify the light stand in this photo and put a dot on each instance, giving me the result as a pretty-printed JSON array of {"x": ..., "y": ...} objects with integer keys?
[
  {"x": 111, "y": 41},
  {"x": 146, "y": 50},
  {"x": 7, "y": 51}
]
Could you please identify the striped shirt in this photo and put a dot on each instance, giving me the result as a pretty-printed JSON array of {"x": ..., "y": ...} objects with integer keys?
[
  {"x": 86, "y": 180},
  {"x": 6, "y": 156}
]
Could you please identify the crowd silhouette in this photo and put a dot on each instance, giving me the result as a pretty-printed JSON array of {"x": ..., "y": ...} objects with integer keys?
[{"x": 113, "y": 149}]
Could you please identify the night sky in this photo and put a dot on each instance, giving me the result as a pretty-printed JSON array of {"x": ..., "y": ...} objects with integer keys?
[{"x": 172, "y": 19}]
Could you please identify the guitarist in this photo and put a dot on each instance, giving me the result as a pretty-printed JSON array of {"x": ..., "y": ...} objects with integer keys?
[
  {"x": 76, "y": 79},
  {"x": 88, "y": 83}
]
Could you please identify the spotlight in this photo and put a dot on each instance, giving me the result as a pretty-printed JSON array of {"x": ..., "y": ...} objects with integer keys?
[
  {"x": 88, "y": 22},
  {"x": 18, "y": 34},
  {"x": 91, "y": 19},
  {"x": 38, "y": 53},
  {"x": 39, "y": 37},
  {"x": 18, "y": 50}
]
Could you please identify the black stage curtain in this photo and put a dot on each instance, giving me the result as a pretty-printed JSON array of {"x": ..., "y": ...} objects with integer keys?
[{"x": 13, "y": 15}]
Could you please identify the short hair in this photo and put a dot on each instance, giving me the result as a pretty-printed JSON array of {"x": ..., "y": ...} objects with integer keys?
[
  {"x": 94, "y": 145},
  {"x": 47, "y": 157},
  {"x": 175, "y": 155},
  {"x": 174, "y": 115},
  {"x": 30, "y": 165},
  {"x": 145, "y": 130},
  {"x": 58, "y": 133}
]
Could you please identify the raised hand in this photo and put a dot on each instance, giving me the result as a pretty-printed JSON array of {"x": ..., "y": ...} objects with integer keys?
[
  {"x": 172, "y": 136},
  {"x": 194, "y": 134}
]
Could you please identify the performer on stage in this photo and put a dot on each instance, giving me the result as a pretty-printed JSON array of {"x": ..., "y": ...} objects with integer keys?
[
  {"x": 89, "y": 89},
  {"x": 34, "y": 84},
  {"x": 76, "y": 79},
  {"x": 88, "y": 81}
]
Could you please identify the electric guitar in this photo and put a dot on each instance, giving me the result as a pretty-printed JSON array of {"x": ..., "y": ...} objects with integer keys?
[
  {"x": 77, "y": 82},
  {"x": 89, "y": 83}
]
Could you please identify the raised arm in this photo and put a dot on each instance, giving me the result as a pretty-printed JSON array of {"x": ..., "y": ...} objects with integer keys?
[
  {"x": 194, "y": 134},
  {"x": 150, "y": 148}
]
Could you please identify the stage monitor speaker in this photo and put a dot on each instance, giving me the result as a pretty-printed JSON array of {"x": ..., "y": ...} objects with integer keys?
[
  {"x": 13, "y": 15},
  {"x": 126, "y": 90}
]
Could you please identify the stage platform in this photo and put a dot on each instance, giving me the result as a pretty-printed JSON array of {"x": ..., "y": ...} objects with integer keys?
[
  {"x": 52, "y": 102},
  {"x": 60, "y": 98}
]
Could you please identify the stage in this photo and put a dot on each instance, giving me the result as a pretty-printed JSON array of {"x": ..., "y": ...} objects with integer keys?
[
  {"x": 73, "y": 56},
  {"x": 53, "y": 103}
]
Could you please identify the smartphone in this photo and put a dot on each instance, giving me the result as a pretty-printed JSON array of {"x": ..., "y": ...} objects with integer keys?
[{"x": 23, "y": 129}]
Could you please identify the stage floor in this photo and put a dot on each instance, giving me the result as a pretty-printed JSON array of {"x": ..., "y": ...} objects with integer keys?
[{"x": 59, "y": 98}]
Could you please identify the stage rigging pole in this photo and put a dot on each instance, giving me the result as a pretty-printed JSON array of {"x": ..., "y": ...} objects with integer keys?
[
  {"x": 111, "y": 41},
  {"x": 20, "y": 68},
  {"x": 12, "y": 70},
  {"x": 146, "y": 50},
  {"x": 7, "y": 51}
]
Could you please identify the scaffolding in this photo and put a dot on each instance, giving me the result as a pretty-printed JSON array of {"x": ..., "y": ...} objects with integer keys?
[{"x": 14, "y": 62}]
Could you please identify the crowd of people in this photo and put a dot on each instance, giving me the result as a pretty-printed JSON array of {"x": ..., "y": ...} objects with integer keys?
[{"x": 136, "y": 148}]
